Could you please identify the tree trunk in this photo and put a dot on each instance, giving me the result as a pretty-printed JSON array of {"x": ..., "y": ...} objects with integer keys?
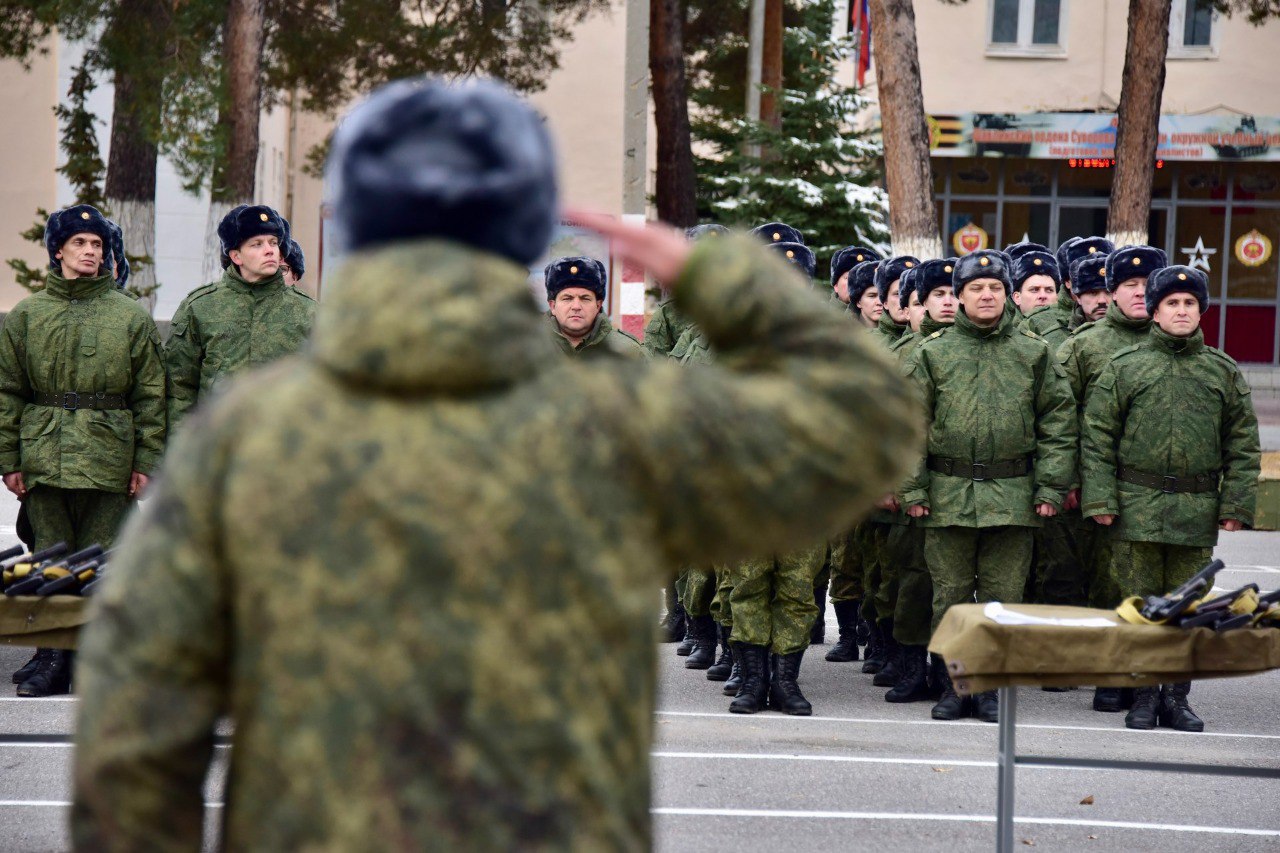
[
  {"x": 771, "y": 71},
  {"x": 674, "y": 187},
  {"x": 234, "y": 177},
  {"x": 1138, "y": 122},
  {"x": 131, "y": 178},
  {"x": 913, "y": 215}
]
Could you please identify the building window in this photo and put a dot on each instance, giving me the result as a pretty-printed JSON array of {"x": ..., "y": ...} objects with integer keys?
[
  {"x": 1026, "y": 28},
  {"x": 1191, "y": 30}
]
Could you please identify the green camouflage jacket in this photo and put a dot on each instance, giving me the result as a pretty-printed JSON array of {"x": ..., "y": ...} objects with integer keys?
[
  {"x": 905, "y": 345},
  {"x": 1171, "y": 407},
  {"x": 887, "y": 330},
  {"x": 664, "y": 329},
  {"x": 603, "y": 341},
  {"x": 228, "y": 326},
  {"x": 1086, "y": 352},
  {"x": 80, "y": 335},
  {"x": 1064, "y": 307},
  {"x": 992, "y": 395},
  {"x": 1046, "y": 321},
  {"x": 386, "y": 559}
]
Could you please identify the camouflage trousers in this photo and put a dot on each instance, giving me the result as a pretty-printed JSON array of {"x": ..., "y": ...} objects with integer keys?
[
  {"x": 700, "y": 586},
  {"x": 1153, "y": 568},
  {"x": 1059, "y": 563},
  {"x": 772, "y": 601},
  {"x": 971, "y": 563},
  {"x": 1104, "y": 590},
  {"x": 79, "y": 517},
  {"x": 913, "y": 600},
  {"x": 846, "y": 568},
  {"x": 721, "y": 606},
  {"x": 878, "y": 570}
]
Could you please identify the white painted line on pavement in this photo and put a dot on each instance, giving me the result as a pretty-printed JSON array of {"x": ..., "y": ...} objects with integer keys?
[
  {"x": 62, "y": 804},
  {"x": 972, "y": 724},
  {"x": 33, "y": 702},
  {"x": 960, "y": 818},
  {"x": 8, "y": 530},
  {"x": 1266, "y": 570},
  {"x": 851, "y": 759}
]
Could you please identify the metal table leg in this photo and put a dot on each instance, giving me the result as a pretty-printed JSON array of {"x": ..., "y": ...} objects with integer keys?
[{"x": 1005, "y": 766}]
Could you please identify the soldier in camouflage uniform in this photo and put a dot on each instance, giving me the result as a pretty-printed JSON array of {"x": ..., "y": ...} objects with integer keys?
[
  {"x": 1170, "y": 456},
  {"x": 1001, "y": 451},
  {"x": 575, "y": 300},
  {"x": 433, "y": 487},
  {"x": 246, "y": 319},
  {"x": 864, "y": 299},
  {"x": 666, "y": 326},
  {"x": 842, "y": 264},
  {"x": 82, "y": 397},
  {"x": 1040, "y": 282}
]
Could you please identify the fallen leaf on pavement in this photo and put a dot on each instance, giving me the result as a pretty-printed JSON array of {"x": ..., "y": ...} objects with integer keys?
[{"x": 1087, "y": 801}]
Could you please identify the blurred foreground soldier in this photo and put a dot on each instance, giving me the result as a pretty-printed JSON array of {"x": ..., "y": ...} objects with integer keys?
[
  {"x": 1089, "y": 278},
  {"x": 433, "y": 487},
  {"x": 1001, "y": 451},
  {"x": 82, "y": 398},
  {"x": 246, "y": 319},
  {"x": 575, "y": 297},
  {"x": 666, "y": 326},
  {"x": 1170, "y": 457}
]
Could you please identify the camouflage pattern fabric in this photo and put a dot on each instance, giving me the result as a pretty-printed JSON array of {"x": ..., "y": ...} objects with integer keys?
[
  {"x": 1172, "y": 407},
  {"x": 726, "y": 579},
  {"x": 1064, "y": 307},
  {"x": 700, "y": 587},
  {"x": 887, "y": 330},
  {"x": 80, "y": 335},
  {"x": 603, "y": 341},
  {"x": 990, "y": 395},
  {"x": 1046, "y": 321},
  {"x": 1058, "y": 574},
  {"x": 1153, "y": 568},
  {"x": 772, "y": 600},
  {"x": 390, "y": 560},
  {"x": 665, "y": 327},
  {"x": 229, "y": 326},
  {"x": 79, "y": 517},
  {"x": 913, "y": 606},
  {"x": 847, "y": 571},
  {"x": 968, "y": 564}
]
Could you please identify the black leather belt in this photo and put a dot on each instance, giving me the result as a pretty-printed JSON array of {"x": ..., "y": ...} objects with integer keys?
[
  {"x": 1170, "y": 485},
  {"x": 72, "y": 400},
  {"x": 979, "y": 471}
]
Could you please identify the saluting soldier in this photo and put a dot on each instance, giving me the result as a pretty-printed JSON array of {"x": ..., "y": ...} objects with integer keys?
[
  {"x": 1170, "y": 457},
  {"x": 248, "y": 318},
  {"x": 581, "y": 327},
  {"x": 82, "y": 402},
  {"x": 1001, "y": 451}
]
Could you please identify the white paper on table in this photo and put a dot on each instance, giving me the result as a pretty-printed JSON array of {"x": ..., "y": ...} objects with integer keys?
[{"x": 998, "y": 613}]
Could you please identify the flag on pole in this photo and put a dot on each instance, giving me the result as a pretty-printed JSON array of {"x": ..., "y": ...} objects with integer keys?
[{"x": 860, "y": 26}]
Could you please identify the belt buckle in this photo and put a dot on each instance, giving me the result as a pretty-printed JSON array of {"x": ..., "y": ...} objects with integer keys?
[
  {"x": 979, "y": 472},
  {"x": 1168, "y": 485},
  {"x": 71, "y": 401}
]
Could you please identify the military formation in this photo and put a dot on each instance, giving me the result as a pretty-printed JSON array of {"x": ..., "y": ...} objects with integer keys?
[
  {"x": 89, "y": 394},
  {"x": 1083, "y": 445}
]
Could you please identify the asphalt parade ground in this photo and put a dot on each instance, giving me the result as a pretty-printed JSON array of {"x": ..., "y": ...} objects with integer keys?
[{"x": 861, "y": 773}]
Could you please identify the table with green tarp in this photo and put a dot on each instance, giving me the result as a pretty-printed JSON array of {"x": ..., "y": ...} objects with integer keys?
[
  {"x": 52, "y": 623},
  {"x": 1082, "y": 647}
]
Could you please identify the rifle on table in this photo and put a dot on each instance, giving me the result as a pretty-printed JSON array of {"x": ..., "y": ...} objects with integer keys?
[
  {"x": 72, "y": 579},
  {"x": 38, "y": 576},
  {"x": 19, "y": 567},
  {"x": 1162, "y": 608}
]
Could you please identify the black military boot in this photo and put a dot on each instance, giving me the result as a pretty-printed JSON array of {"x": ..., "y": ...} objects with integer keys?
[
  {"x": 1146, "y": 704},
  {"x": 951, "y": 706},
  {"x": 685, "y": 648},
  {"x": 27, "y": 670},
  {"x": 671, "y": 628},
  {"x": 846, "y": 648},
  {"x": 937, "y": 676},
  {"x": 754, "y": 693},
  {"x": 875, "y": 651},
  {"x": 888, "y": 674},
  {"x": 704, "y": 643},
  {"x": 784, "y": 691},
  {"x": 1107, "y": 699},
  {"x": 986, "y": 707},
  {"x": 1174, "y": 712},
  {"x": 720, "y": 670},
  {"x": 52, "y": 676},
  {"x": 734, "y": 684},
  {"x": 818, "y": 633},
  {"x": 913, "y": 685}
]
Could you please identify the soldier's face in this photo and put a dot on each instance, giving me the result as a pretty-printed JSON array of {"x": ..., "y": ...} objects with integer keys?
[
  {"x": 1037, "y": 291},
  {"x": 915, "y": 311},
  {"x": 575, "y": 309},
  {"x": 896, "y": 311},
  {"x": 1094, "y": 303},
  {"x": 1178, "y": 314},
  {"x": 941, "y": 304},
  {"x": 258, "y": 257},
  {"x": 869, "y": 307},
  {"x": 983, "y": 300},
  {"x": 286, "y": 272},
  {"x": 81, "y": 256},
  {"x": 1131, "y": 298},
  {"x": 842, "y": 288}
]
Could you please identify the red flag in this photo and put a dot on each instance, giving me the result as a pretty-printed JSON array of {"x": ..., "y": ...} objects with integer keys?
[{"x": 864, "y": 39}]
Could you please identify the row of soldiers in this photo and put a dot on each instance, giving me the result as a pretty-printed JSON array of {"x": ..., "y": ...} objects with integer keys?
[
  {"x": 1084, "y": 445},
  {"x": 89, "y": 394}
]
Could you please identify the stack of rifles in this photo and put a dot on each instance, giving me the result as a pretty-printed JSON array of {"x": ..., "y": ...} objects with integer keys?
[
  {"x": 1193, "y": 605},
  {"x": 52, "y": 571}
]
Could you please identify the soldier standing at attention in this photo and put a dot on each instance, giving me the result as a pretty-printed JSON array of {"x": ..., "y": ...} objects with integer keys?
[
  {"x": 246, "y": 319},
  {"x": 1170, "y": 457},
  {"x": 575, "y": 297},
  {"x": 1036, "y": 281},
  {"x": 503, "y": 712},
  {"x": 666, "y": 326},
  {"x": 82, "y": 403},
  {"x": 1001, "y": 451},
  {"x": 1089, "y": 278},
  {"x": 842, "y": 264},
  {"x": 864, "y": 299}
]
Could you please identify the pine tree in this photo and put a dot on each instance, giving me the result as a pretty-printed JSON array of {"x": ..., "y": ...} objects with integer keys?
[{"x": 816, "y": 173}]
